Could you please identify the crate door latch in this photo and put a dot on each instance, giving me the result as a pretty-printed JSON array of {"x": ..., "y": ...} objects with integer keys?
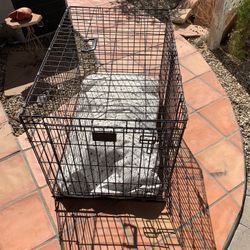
[
  {"x": 149, "y": 141},
  {"x": 104, "y": 136},
  {"x": 90, "y": 44}
]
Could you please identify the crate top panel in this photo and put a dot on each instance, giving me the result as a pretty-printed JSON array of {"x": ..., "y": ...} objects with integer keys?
[{"x": 109, "y": 64}]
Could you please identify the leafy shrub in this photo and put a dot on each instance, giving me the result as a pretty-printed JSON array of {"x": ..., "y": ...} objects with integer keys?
[{"x": 239, "y": 43}]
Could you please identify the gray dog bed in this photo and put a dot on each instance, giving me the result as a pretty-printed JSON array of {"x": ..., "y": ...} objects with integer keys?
[{"x": 107, "y": 168}]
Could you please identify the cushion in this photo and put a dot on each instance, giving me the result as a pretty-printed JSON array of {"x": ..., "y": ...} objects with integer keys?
[{"x": 20, "y": 14}]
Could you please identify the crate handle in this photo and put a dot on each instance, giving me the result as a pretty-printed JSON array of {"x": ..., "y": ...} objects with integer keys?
[
  {"x": 93, "y": 44},
  {"x": 104, "y": 136}
]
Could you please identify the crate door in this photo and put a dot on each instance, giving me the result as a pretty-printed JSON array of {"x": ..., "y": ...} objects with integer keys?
[{"x": 99, "y": 161}]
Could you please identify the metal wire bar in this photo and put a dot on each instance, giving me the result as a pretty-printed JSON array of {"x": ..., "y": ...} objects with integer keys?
[{"x": 107, "y": 105}]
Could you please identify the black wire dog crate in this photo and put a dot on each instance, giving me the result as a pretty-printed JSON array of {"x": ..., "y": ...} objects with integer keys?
[{"x": 106, "y": 113}]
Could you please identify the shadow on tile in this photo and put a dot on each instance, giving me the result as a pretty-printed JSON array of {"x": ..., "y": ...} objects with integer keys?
[{"x": 182, "y": 222}]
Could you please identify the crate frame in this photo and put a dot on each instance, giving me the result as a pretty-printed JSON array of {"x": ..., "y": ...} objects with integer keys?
[{"x": 43, "y": 128}]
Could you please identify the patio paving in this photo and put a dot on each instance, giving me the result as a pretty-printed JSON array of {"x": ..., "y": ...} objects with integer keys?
[{"x": 27, "y": 209}]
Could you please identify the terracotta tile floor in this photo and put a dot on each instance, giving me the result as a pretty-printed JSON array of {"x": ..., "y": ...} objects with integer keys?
[
  {"x": 27, "y": 210},
  {"x": 197, "y": 128},
  {"x": 215, "y": 191},
  {"x": 204, "y": 94},
  {"x": 186, "y": 74},
  {"x": 223, "y": 216},
  {"x": 184, "y": 48},
  {"x": 35, "y": 167},
  {"x": 211, "y": 79},
  {"x": 25, "y": 224},
  {"x": 15, "y": 179},
  {"x": 236, "y": 139},
  {"x": 221, "y": 115},
  {"x": 24, "y": 142},
  {"x": 223, "y": 162},
  {"x": 238, "y": 194},
  {"x": 195, "y": 63},
  {"x": 49, "y": 200},
  {"x": 8, "y": 144}
]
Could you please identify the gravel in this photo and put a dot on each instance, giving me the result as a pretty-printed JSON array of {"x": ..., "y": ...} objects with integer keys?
[
  {"x": 52, "y": 100},
  {"x": 234, "y": 76}
]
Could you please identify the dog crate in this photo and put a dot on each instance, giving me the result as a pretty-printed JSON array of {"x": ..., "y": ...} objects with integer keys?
[{"x": 106, "y": 113}]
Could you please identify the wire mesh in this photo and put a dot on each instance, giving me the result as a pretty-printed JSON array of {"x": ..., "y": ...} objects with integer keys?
[
  {"x": 106, "y": 113},
  {"x": 124, "y": 228},
  {"x": 190, "y": 213}
]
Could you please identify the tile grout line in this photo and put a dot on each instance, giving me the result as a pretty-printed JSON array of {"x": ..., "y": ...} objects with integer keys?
[
  {"x": 224, "y": 138},
  {"x": 211, "y": 125},
  {"x": 180, "y": 57},
  {"x": 46, "y": 242},
  {"x": 219, "y": 183},
  {"x": 207, "y": 171},
  {"x": 184, "y": 82},
  {"x": 199, "y": 214},
  {"x": 198, "y": 77},
  {"x": 24, "y": 195},
  {"x": 7, "y": 157},
  {"x": 18, "y": 199},
  {"x": 209, "y": 146},
  {"x": 205, "y": 118},
  {"x": 235, "y": 144},
  {"x": 189, "y": 223},
  {"x": 223, "y": 96},
  {"x": 195, "y": 110},
  {"x": 42, "y": 199},
  {"x": 207, "y": 83},
  {"x": 228, "y": 193},
  {"x": 195, "y": 75},
  {"x": 6, "y": 123}
]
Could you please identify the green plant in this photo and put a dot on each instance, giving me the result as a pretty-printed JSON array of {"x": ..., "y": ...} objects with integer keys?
[{"x": 239, "y": 43}]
